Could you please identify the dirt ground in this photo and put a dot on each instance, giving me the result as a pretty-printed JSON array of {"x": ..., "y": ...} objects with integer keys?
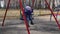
[{"x": 42, "y": 25}]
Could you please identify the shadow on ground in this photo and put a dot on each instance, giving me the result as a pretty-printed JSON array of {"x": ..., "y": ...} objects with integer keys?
[{"x": 39, "y": 25}]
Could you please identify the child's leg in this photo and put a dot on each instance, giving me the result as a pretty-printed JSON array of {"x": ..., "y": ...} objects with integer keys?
[
  {"x": 30, "y": 18},
  {"x": 27, "y": 19}
]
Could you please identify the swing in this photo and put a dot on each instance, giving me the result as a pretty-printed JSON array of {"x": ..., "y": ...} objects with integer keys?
[
  {"x": 56, "y": 14},
  {"x": 56, "y": 9},
  {"x": 25, "y": 21},
  {"x": 21, "y": 17}
]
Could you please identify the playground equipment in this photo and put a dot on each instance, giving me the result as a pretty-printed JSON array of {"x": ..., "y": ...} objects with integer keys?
[
  {"x": 53, "y": 14},
  {"x": 25, "y": 21},
  {"x": 21, "y": 6},
  {"x": 55, "y": 9}
]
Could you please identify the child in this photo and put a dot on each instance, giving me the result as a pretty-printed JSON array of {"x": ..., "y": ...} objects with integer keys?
[{"x": 28, "y": 14}]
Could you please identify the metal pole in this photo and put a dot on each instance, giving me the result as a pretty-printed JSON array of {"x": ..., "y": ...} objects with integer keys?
[
  {"x": 25, "y": 20},
  {"x": 53, "y": 14},
  {"x": 6, "y": 12}
]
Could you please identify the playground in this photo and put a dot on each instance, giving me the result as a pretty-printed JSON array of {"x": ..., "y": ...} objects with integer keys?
[
  {"x": 46, "y": 21},
  {"x": 42, "y": 24}
]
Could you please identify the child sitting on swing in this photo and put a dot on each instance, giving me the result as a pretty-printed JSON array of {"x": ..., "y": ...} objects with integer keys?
[{"x": 28, "y": 14}]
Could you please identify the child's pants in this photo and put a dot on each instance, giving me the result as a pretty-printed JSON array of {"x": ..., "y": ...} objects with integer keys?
[{"x": 29, "y": 18}]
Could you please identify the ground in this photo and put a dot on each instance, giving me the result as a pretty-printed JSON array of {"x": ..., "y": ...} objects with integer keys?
[{"x": 42, "y": 25}]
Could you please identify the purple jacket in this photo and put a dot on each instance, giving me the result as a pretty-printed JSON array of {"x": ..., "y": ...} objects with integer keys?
[{"x": 28, "y": 10}]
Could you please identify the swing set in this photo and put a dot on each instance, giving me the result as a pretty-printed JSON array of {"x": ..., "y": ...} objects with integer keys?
[
  {"x": 22, "y": 9},
  {"x": 56, "y": 9}
]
